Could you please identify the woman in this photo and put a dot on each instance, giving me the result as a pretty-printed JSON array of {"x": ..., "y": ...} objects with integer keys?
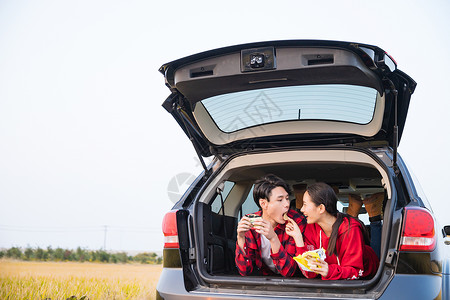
[{"x": 343, "y": 237}]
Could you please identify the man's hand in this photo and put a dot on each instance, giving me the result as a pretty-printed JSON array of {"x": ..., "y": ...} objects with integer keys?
[
  {"x": 244, "y": 225},
  {"x": 265, "y": 228}
]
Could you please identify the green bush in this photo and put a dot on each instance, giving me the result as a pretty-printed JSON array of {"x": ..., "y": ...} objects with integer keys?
[
  {"x": 146, "y": 258},
  {"x": 28, "y": 254},
  {"x": 79, "y": 254},
  {"x": 14, "y": 252}
]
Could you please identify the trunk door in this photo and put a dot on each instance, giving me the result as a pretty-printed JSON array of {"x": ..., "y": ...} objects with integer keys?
[{"x": 267, "y": 94}]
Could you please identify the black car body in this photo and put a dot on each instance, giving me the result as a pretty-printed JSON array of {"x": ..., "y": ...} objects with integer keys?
[{"x": 306, "y": 111}]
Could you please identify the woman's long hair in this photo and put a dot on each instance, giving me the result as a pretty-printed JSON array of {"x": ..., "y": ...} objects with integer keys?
[{"x": 322, "y": 193}]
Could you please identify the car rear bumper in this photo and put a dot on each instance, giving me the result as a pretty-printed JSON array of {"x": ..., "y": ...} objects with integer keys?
[{"x": 402, "y": 286}]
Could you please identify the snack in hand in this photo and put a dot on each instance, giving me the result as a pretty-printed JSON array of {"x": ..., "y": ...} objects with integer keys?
[
  {"x": 285, "y": 217},
  {"x": 310, "y": 257},
  {"x": 253, "y": 218}
]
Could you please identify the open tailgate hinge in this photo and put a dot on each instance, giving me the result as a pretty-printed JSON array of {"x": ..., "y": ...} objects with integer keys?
[
  {"x": 395, "y": 129},
  {"x": 171, "y": 104},
  {"x": 184, "y": 119},
  {"x": 395, "y": 137}
]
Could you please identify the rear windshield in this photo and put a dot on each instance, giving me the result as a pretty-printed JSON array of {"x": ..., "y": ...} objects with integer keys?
[{"x": 334, "y": 102}]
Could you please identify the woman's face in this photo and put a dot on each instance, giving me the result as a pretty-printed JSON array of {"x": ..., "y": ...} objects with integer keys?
[{"x": 310, "y": 210}]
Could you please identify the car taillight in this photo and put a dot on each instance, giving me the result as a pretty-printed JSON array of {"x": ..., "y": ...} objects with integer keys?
[
  {"x": 169, "y": 227},
  {"x": 418, "y": 230}
]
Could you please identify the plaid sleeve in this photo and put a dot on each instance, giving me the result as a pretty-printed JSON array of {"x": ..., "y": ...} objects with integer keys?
[
  {"x": 283, "y": 259},
  {"x": 246, "y": 258}
]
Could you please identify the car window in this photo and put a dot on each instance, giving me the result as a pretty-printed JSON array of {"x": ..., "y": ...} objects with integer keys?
[
  {"x": 216, "y": 205},
  {"x": 418, "y": 188},
  {"x": 249, "y": 206},
  {"x": 336, "y": 102},
  {"x": 342, "y": 206}
]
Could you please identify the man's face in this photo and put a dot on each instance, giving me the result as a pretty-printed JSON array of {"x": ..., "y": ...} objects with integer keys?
[{"x": 277, "y": 206}]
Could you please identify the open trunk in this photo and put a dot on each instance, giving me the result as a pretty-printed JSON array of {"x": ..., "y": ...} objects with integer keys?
[
  {"x": 307, "y": 111},
  {"x": 229, "y": 196}
]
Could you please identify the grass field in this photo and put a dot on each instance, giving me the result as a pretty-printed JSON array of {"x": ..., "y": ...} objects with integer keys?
[{"x": 62, "y": 280}]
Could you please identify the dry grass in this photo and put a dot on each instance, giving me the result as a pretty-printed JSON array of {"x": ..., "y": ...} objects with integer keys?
[{"x": 61, "y": 280}]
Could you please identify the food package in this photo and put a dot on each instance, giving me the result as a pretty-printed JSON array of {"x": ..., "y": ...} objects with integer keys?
[
  {"x": 253, "y": 218},
  {"x": 310, "y": 256}
]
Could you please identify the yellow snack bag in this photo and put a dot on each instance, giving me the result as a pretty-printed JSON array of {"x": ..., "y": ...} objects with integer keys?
[{"x": 310, "y": 256}]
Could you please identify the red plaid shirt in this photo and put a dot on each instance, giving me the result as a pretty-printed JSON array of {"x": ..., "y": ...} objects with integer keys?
[{"x": 250, "y": 261}]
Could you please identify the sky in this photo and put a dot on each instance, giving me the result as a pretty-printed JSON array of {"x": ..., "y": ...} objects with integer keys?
[{"x": 89, "y": 158}]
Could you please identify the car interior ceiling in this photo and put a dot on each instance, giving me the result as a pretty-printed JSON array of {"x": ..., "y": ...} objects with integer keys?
[{"x": 219, "y": 230}]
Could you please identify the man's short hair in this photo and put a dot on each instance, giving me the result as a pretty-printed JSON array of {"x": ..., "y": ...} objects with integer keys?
[{"x": 264, "y": 186}]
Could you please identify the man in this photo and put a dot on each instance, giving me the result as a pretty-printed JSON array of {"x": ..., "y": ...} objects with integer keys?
[{"x": 263, "y": 247}]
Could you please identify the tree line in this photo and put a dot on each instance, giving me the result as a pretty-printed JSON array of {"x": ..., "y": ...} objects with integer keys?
[{"x": 79, "y": 255}]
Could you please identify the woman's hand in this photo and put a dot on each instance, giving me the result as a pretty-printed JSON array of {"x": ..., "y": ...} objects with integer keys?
[
  {"x": 320, "y": 267},
  {"x": 292, "y": 228},
  {"x": 294, "y": 231}
]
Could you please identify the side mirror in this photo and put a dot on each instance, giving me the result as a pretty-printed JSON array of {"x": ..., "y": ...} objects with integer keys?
[{"x": 446, "y": 232}]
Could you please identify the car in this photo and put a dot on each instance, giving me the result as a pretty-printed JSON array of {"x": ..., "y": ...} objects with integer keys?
[{"x": 307, "y": 111}]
